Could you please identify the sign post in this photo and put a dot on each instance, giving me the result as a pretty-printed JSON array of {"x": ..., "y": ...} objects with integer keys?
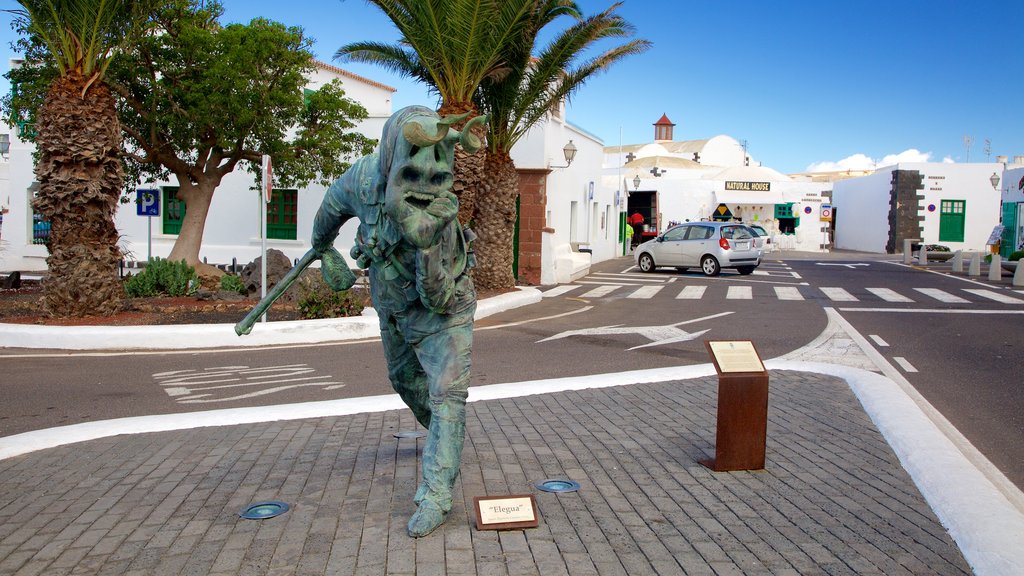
[
  {"x": 742, "y": 423},
  {"x": 148, "y": 204},
  {"x": 267, "y": 172}
]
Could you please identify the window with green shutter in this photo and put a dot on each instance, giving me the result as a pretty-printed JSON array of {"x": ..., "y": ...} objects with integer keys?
[
  {"x": 952, "y": 217},
  {"x": 282, "y": 214},
  {"x": 173, "y": 210},
  {"x": 784, "y": 210}
]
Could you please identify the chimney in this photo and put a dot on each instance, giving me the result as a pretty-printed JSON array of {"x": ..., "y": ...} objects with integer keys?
[
  {"x": 1001, "y": 159},
  {"x": 663, "y": 129},
  {"x": 1018, "y": 159}
]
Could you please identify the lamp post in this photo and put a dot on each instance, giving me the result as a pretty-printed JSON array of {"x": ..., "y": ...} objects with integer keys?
[
  {"x": 994, "y": 179},
  {"x": 636, "y": 182},
  {"x": 569, "y": 151}
]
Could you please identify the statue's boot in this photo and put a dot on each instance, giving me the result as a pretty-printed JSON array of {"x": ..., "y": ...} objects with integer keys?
[{"x": 442, "y": 454}]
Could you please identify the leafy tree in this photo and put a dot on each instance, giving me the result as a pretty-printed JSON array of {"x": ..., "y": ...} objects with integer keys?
[
  {"x": 451, "y": 46},
  {"x": 197, "y": 100},
  {"x": 520, "y": 99},
  {"x": 78, "y": 141}
]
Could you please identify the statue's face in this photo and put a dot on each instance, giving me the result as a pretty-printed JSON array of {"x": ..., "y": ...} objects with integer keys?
[{"x": 418, "y": 194}]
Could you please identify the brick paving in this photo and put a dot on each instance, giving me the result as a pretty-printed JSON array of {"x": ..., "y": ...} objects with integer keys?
[{"x": 833, "y": 498}]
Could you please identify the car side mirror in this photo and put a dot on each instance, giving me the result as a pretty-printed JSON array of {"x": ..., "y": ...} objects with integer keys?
[{"x": 661, "y": 238}]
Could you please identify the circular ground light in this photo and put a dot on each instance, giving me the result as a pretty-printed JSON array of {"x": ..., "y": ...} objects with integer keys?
[
  {"x": 263, "y": 510},
  {"x": 558, "y": 485},
  {"x": 414, "y": 434}
]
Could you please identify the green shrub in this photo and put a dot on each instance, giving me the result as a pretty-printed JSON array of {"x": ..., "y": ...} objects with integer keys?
[
  {"x": 1016, "y": 256},
  {"x": 317, "y": 300},
  {"x": 937, "y": 248},
  {"x": 163, "y": 277},
  {"x": 232, "y": 283}
]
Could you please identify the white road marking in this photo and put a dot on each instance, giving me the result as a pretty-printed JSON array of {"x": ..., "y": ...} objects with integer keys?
[
  {"x": 878, "y": 340},
  {"x": 558, "y": 290},
  {"x": 645, "y": 292},
  {"x": 600, "y": 291},
  {"x": 209, "y": 385},
  {"x": 907, "y": 366},
  {"x": 788, "y": 293},
  {"x": 692, "y": 293},
  {"x": 942, "y": 295},
  {"x": 739, "y": 293},
  {"x": 838, "y": 294},
  {"x": 998, "y": 297},
  {"x": 889, "y": 295}
]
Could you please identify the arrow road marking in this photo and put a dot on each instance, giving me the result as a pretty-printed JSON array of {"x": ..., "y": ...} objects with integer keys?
[
  {"x": 659, "y": 335},
  {"x": 210, "y": 385},
  {"x": 852, "y": 266}
]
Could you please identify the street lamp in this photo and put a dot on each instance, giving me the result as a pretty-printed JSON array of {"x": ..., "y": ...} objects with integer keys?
[
  {"x": 994, "y": 179},
  {"x": 636, "y": 182},
  {"x": 569, "y": 151}
]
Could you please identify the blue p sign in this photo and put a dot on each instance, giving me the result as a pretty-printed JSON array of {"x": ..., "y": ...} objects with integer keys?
[{"x": 148, "y": 202}]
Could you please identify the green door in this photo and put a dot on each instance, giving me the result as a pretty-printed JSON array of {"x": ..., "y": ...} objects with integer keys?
[
  {"x": 1009, "y": 241},
  {"x": 951, "y": 220}
]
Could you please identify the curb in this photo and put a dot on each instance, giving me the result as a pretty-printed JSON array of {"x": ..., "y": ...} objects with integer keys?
[{"x": 194, "y": 336}]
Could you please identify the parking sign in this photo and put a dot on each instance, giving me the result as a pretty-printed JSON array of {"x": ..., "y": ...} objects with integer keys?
[{"x": 148, "y": 202}]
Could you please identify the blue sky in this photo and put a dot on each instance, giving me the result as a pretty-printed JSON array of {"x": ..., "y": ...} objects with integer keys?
[{"x": 806, "y": 83}]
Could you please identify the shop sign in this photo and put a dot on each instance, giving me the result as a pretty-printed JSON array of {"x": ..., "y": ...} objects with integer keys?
[{"x": 749, "y": 186}]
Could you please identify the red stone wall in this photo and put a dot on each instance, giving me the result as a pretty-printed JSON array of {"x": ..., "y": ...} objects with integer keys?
[{"x": 532, "y": 221}]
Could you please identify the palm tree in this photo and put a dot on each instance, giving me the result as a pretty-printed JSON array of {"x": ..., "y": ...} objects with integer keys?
[
  {"x": 78, "y": 139},
  {"x": 452, "y": 46},
  {"x": 518, "y": 100}
]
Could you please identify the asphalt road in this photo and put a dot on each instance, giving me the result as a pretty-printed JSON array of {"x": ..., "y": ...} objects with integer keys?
[{"x": 964, "y": 357}]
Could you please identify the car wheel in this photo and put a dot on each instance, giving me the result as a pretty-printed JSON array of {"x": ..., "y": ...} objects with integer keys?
[
  {"x": 646, "y": 263},
  {"x": 709, "y": 265},
  {"x": 745, "y": 270}
]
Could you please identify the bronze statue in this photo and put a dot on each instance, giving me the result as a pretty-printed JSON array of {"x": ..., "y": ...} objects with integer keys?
[{"x": 418, "y": 260}]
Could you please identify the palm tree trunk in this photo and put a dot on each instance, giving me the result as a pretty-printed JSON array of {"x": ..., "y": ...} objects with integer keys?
[
  {"x": 494, "y": 222},
  {"x": 80, "y": 179},
  {"x": 468, "y": 168}
]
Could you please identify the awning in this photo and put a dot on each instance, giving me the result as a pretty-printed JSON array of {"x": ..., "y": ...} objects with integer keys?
[{"x": 759, "y": 198}]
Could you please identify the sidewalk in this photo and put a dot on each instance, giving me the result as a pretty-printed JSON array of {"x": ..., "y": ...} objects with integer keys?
[
  {"x": 833, "y": 498},
  {"x": 858, "y": 481}
]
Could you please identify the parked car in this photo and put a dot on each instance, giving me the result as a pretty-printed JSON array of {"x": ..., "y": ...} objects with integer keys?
[
  {"x": 765, "y": 239},
  {"x": 710, "y": 246}
]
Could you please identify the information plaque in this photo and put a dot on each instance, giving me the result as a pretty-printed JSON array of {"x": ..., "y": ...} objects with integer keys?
[
  {"x": 506, "y": 512},
  {"x": 735, "y": 356}
]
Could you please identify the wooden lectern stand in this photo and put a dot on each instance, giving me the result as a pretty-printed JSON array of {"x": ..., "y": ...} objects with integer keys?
[{"x": 742, "y": 406}]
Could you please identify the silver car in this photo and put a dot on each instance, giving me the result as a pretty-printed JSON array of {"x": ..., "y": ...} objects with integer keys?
[{"x": 708, "y": 245}]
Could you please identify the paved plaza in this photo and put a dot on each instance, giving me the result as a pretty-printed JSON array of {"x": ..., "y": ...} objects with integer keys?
[{"x": 833, "y": 498}]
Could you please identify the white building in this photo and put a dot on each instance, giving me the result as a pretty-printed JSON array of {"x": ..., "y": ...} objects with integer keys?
[
  {"x": 233, "y": 224},
  {"x": 955, "y": 205},
  {"x": 673, "y": 181},
  {"x": 1013, "y": 208}
]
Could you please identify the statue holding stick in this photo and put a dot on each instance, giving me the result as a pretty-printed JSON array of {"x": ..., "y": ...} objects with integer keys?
[{"x": 418, "y": 260}]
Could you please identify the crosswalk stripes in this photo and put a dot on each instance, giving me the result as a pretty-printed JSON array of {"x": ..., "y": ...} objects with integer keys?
[
  {"x": 791, "y": 293},
  {"x": 994, "y": 296},
  {"x": 838, "y": 294},
  {"x": 942, "y": 295},
  {"x": 889, "y": 295},
  {"x": 740, "y": 293},
  {"x": 601, "y": 291},
  {"x": 692, "y": 293},
  {"x": 788, "y": 293},
  {"x": 645, "y": 292}
]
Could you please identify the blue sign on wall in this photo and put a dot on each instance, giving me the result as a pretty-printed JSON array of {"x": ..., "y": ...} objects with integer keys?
[{"x": 148, "y": 202}]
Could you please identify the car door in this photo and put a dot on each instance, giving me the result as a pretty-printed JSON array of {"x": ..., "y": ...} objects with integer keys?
[
  {"x": 696, "y": 244},
  {"x": 670, "y": 247}
]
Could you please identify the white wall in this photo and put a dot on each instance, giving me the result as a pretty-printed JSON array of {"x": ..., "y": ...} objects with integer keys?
[
  {"x": 862, "y": 212},
  {"x": 233, "y": 224}
]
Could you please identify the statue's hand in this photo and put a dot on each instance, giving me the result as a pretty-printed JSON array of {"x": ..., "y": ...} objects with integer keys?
[
  {"x": 335, "y": 270},
  {"x": 445, "y": 207}
]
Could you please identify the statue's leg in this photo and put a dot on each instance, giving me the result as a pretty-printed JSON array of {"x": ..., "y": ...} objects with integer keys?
[
  {"x": 445, "y": 356},
  {"x": 407, "y": 376}
]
